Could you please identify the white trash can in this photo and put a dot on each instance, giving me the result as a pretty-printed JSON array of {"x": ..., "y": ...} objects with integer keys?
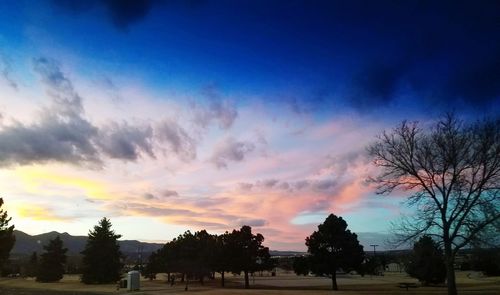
[{"x": 133, "y": 280}]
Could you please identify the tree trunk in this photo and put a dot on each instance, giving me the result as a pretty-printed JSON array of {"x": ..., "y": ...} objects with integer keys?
[
  {"x": 450, "y": 268},
  {"x": 450, "y": 276},
  {"x": 247, "y": 284},
  {"x": 222, "y": 279},
  {"x": 334, "y": 281}
]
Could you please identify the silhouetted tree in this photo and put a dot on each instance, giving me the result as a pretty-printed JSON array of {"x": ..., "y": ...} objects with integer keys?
[
  {"x": 7, "y": 238},
  {"x": 206, "y": 254},
  {"x": 51, "y": 268},
  {"x": 223, "y": 256},
  {"x": 332, "y": 247},
  {"x": 153, "y": 266},
  {"x": 32, "y": 266},
  {"x": 301, "y": 265},
  {"x": 486, "y": 261},
  {"x": 453, "y": 173},
  {"x": 102, "y": 257},
  {"x": 426, "y": 262},
  {"x": 247, "y": 252},
  {"x": 371, "y": 266}
]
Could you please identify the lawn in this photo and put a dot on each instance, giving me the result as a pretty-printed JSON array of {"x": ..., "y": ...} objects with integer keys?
[{"x": 282, "y": 284}]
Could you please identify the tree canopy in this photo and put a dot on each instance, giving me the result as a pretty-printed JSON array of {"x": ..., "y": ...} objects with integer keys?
[
  {"x": 51, "y": 267},
  {"x": 102, "y": 257},
  {"x": 7, "y": 238},
  {"x": 452, "y": 171},
  {"x": 200, "y": 254},
  {"x": 248, "y": 253},
  {"x": 426, "y": 262},
  {"x": 333, "y": 247}
]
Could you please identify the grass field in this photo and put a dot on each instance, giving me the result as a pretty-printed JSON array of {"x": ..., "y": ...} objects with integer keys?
[{"x": 281, "y": 284}]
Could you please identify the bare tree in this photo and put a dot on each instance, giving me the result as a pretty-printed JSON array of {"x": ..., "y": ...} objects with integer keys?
[{"x": 452, "y": 171}]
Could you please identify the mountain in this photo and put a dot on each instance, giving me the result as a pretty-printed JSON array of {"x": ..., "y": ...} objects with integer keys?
[{"x": 26, "y": 244}]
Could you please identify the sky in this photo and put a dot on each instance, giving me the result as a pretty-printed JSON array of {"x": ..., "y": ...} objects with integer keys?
[{"x": 166, "y": 116}]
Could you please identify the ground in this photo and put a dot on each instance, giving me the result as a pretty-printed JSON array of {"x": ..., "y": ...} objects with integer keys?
[{"x": 284, "y": 283}]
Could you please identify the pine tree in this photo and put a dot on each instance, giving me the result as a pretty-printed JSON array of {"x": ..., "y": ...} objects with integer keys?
[
  {"x": 52, "y": 262},
  {"x": 7, "y": 238},
  {"x": 102, "y": 256},
  {"x": 333, "y": 247},
  {"x": 32, "y": 266},
  {"x": 427, "y": 262}
]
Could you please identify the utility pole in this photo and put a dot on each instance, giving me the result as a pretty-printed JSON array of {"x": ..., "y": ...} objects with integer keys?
[{"x": 374, "y": 251}]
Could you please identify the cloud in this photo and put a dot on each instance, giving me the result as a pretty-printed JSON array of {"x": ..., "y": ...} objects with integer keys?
[
  {"x": 62, "y": 133},
  {"x": 122, "y": 141},
  {"x": 326, "y": 185},
  {"x": 219, "y": 110},
  {"x": 121, "y": 13},
  {"x": 176, "y": 139},
  {"x": 170, "y": 193},
  {"x": 268, "y": 183},
  {"x": 250, "y": 222},
  {"x": 157, "y": 211},
  {"x": 375, "y": 85},
  {"x": 58, "y": 86},
  {"x": 41, "y": 213},
  {"x": 6, "y": 71},
  {"x": 423, "y": 52},
  {"x": 149, "y": 196},
  {"x": 48, "y": 140},
  {"x": 230, "y": 150},
  {"x": 245, "y": 186}
]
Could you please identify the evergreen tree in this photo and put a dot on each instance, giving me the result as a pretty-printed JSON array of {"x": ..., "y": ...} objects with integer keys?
[
  {"x": 334, "y": 247},
  {"x": 52, "y": 262},
  {"x": 427, "y": 262},
  {"x": 7, "y": 238},
  {"x": 32, "y": 266},
  {"x": 101, "y": 256}
]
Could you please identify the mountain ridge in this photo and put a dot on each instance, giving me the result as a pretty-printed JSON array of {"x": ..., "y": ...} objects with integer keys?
[{"x": 27, "y": 244}]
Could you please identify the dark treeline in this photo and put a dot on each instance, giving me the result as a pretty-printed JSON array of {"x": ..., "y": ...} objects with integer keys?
[{"x": 200, "y": 255}]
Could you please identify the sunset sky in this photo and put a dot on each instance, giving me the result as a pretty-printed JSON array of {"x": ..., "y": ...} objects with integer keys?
[{"x": 173, "y": 115}]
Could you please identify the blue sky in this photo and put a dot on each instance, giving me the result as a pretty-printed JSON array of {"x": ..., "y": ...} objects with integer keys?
[{"x": 209, "y": 114}]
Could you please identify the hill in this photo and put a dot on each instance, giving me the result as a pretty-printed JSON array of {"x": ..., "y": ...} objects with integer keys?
[{"x": 27, "y": 244}]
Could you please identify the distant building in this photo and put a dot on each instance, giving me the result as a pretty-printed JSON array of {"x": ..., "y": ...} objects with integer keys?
[{"x": 394, "y": 267}]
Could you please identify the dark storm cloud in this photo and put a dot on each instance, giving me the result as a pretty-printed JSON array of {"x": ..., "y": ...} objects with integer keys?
[
  {"x": 230, "y": 150},
  {"x": 445, "y": 53},
  {"x": 122, "y": 13},
  {"x": 48, "y": 140},
  {"x": 375, "y": 85}
]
